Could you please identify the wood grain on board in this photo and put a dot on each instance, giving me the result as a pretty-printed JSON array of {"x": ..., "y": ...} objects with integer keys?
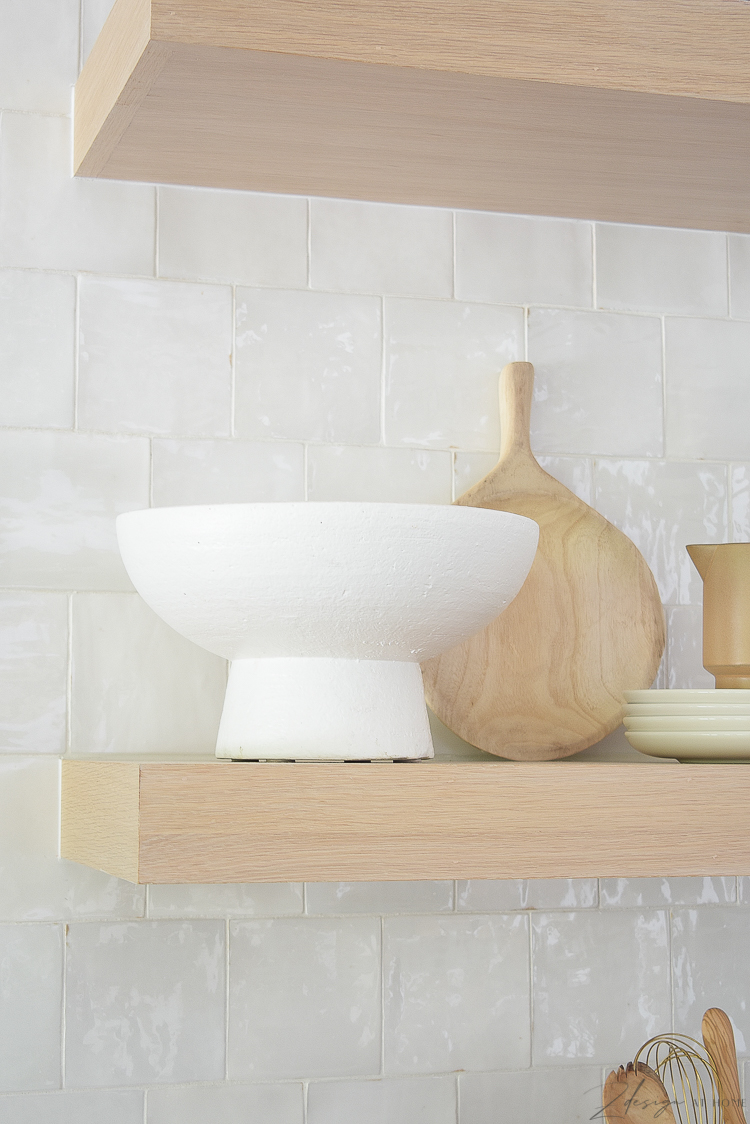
[
  {"x": 252, "y": 822},
  {"x": 545, "y": 679},
  {"x": 603, "y": 109}
]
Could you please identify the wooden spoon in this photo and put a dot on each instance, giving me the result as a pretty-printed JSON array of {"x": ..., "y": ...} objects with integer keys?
[
  {"x": 718, "y": 1038},
  {"x": 545, "y": 679},
  {"x": 634, "y": 1094}
]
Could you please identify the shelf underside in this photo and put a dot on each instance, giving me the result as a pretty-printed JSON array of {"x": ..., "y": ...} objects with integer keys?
[
  {"x": 253, "y": 822},
  {"x": 640, "y": 113}
]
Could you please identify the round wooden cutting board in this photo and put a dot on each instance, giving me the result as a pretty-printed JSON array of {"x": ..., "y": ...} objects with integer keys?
[{"x": 545, "y": 679}]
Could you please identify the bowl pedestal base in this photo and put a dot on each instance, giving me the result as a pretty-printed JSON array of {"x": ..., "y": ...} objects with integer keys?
[{"x": 322, "y": 709}]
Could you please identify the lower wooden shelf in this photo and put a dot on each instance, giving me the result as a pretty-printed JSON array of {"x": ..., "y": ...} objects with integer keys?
[{"x": 202, "y": 822}]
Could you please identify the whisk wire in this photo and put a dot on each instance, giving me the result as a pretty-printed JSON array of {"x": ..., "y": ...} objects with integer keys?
[{"x": 688, "y": 1074}]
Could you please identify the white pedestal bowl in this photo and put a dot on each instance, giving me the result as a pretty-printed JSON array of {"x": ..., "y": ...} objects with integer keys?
[{"x": 326, "y": 611}]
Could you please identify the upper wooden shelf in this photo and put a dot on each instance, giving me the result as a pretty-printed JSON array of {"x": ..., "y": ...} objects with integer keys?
[
  {"x": 600, "y": 109},
  {"x": 252, "y": 822}
]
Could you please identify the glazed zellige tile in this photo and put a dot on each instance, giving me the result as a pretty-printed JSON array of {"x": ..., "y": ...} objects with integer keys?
[
  {"x": 74, "y": 1106},
  {"x": 708, "y": 393},
  {"x": 340, "y": 472},
  {"x": 37, "y": 344},
  {"x": 260, "y": 899},
  {"x": 308, "y": 366},
  {"x": 304, "y": 998},
  {"x": 527, "y": 1097},
  {"x": 61, "y": 494},
  {"x": 145, "y": 1003},
  {"x": 236, "y": 236},
  {"x": 379, "y": 897},
  {"x": 628, "y": 892},
  {"x": 34, "y": 884},
  {"x": 31, "y": 959},
  {"x": 196, "y": 472},
  {"x": 33, "y": 672},
  {"x": 598, "y": 385},
  {"x": 226, "y": 1104},
  {"x": 711, "y": 969},
  {"x": 155, "y": 357},
  {"x": 517, "y": 259},
  {"x": 739, "y": 276},
  {"x": 456, "y": 993},
  {"x": 662, "y": 506},
  {"x": 659, "y": 269},
  {"x": 51, "y": 220},
  {"x": 405, "y": 1100},
  {"x": 601, "y": 983},
  {"x": 381, "y": 248},
  {"x": 38, "y": 55},
  {"x": 138, "y": 686},
  {"x": 442, "y": 362}
]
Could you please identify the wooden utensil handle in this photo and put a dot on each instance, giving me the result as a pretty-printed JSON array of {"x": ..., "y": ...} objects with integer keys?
[
  {"x": 516, "y": 390},
  {"x": 718, "y": 1038}
]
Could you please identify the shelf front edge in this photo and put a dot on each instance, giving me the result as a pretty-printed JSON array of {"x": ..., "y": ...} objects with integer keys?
[{"x": 225, "y": 822}]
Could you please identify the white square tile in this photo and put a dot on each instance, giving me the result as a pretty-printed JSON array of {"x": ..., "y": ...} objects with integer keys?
[
  {"x": 34, "y": 884},
  {"x": 341, "y": 472},
  {"x": 50, "y": 220},
  {"x": 456, "y": 993},
  {"x": 37, "y": 348},
  {"x": 155, "y": 357},
  {"x": 443, "y": 362},
  {"x": 379, "y": 897},
  {"x": 569, "y": 1096},
  {"x": 415, "y": 1100},
  {"x": 93, "y": 17},
  {"x": 660, "y": 269},
  {"x": 381, "y": 248},
  {"x": 60, "y": 497},
  {"x": 304, "y": 998},
  {"x": 628, "y": 892},
  {"x": 272, "y": 899},
  {"x": 684, "y": 652},
  {"x": 186, "y": 472},
  {"x": 308, "y": 366},
  {"x": 739, "y": 276},
  {"x": 31, "y": 958},
  {"x": 33, "y": 672},
  {"x": 743, "y": 886},
  {"x": 145, "y": 1003},
  {"x": 662, "y": 506},
  {"x": 739, "y": 488},
  {"x": 711, "y": 969},
  {"x": 38, "y": 55},
  {"x": 235, "y": 236},
  {"x": 598, "y": 385},
  {"x": 528, "y": 893},
  {"x": 74, "y": 1106},
  {"x": 708, "y": 389},
  {"x": 226, "y": 1104},
  {"x": 138, "y": 686},
  {"x": 601, "y": 984},
  {"x": 518, "y": 259}
]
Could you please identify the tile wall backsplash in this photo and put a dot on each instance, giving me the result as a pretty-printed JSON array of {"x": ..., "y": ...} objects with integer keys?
[{"x": 168, "y": 345}]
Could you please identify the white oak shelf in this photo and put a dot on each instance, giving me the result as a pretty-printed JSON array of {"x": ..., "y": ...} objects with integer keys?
[
  {"x": 597, "y": 109},
  {"x": 202, "y": 822}
]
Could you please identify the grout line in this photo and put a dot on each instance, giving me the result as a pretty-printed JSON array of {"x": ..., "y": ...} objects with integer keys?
[
  {"x": 729, "y": 279},
  {"x": 69, "y": 681},
  {"x": 454, "y": 263},
  {"x": 64, "y": 992},
  {"x": 76, "y": 349},
  {"x": 531, "y": 991},
  {"x": 458, "y": 1098},
  {"x": 305, "y": 470},
  {"x": 309, "y": 243},
  {"x": 226, "y": 999},
  {"x": 526, "y": 313},
  {"x": 382, "y": 996},
  {"x": 305, "y": 1089},
  {"x": 150, "y": 472},
  {"x": 233, "y": 368},
  {"x": 382, "y": 371},
  {"x": 145, "y": 1106},
  {"x": 664, "y": 384},
  {"x": 156, "y": 231},
  {"x": 594, "y": 294},
  {"x": 670, "y": 967}
]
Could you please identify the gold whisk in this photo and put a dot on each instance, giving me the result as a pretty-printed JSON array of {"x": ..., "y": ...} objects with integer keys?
[{"x": 688, "y": 1074}]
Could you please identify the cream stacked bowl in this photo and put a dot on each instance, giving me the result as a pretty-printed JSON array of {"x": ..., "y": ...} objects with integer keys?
[{"x": 691, "y": 725}]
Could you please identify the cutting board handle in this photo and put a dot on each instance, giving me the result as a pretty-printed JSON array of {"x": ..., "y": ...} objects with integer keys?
[{"x": 516, "y": 390}]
